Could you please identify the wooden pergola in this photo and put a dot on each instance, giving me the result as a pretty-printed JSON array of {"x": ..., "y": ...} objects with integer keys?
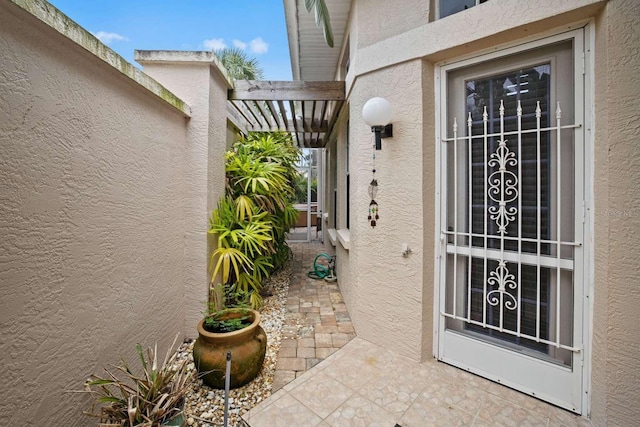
[{"x": 308, "y": 110}]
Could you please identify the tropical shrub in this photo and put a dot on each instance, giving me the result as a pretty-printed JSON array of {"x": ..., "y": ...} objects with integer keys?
[
  {"x": 252, "y": 219},
  {"x": 301, "y": 189}
]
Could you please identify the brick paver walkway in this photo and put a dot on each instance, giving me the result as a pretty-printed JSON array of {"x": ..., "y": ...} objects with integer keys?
[{"x": 317, "y": 322}]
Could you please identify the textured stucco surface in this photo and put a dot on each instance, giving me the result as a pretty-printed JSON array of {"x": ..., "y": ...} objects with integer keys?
[
  {"x": 383, "y": 290},
  {"x": 616, "y": 330},
  {"x": 103, "y": 208},
  {"x": 194, "y": 77},
  {"x": 382, "y": 19},
  {"x": 494, "y": 23},
  {"x": 382, "y": 64}
]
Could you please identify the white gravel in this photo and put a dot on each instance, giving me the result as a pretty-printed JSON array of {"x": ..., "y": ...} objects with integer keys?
[{"x": 205, "y": 406}]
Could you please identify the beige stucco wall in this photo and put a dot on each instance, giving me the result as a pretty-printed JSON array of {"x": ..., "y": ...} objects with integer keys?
[
  {"x": 196, "y": 78},
  {"x": 104, "y": 200},
  {"x": 486, "y": 26},
  {"x": 379, "y": 20},
  {"x": 388, "y": 66},
  {"x": 383, "y": 290},
  {"x": 616, "y": 307}
]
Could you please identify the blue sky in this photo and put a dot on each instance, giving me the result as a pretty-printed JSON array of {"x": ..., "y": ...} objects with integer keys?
[{"x": 257, "y": 26}]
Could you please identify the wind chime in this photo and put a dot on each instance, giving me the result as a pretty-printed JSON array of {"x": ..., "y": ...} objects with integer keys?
[{"x": 373, "y": 191}]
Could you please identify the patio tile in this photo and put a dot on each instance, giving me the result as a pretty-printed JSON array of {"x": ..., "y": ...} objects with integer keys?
[
  {"x": 322, "y": 394},
  {"x": 433, "y": 411},
  {"x": 520, "y": 399},
  {"x": 354, "y": 371},
  {"x": 306, "y": 342},
  {"x": 306, "y": 352},
  {"x": 498, "y": 411},
  {"x": 323, "y": 353},
  {"x": 306, "y": 332},
  {"x": 287, "y": 352},
  {"x": 328, "y": 320},
  {"x": 289, "y": 343},
  {"x": 256, "y": 410},
  {"x": 286, "y": 411},
  {"x": 312, "y": 362},
  {"x": 393, "y": 393},
  {"x": 290, "y": 364},
  {"x": 559, "y": 417},
  {"x": 327, "y": 329},
  {"x": 338, "y": 340},
  {"x": 326, "y": 311},
  {"x": 358, "y": 411},
  {"x": 336, "y": 297},
  {"x": 282, "y": 378},
  {"x": 466, "y": 398},
  {"x": 323, "y": 340},
  {"x": 346, "y": 327},
  {"x": 334, "y": 378}
]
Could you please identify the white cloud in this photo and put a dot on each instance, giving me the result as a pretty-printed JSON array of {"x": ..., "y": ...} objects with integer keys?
[
  {"x": 214, "y": 44},
  {"x": 240, "y": 44},
  {"x": 106, "y": 37},
  {"x": 258, "y": 45}
]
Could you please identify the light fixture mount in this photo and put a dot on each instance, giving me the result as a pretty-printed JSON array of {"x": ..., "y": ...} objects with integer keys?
[{"x": 376, "y": 112}]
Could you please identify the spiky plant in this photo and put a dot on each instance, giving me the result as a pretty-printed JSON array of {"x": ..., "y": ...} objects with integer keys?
[{"x": 148, "y": 398}]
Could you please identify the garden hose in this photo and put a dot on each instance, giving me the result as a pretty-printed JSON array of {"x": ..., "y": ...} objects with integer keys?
[{"x": 320, "y": 271}]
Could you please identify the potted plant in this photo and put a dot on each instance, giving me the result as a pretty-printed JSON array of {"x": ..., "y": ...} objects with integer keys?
[
  {"x": 152, "y": 397},
  {"x": 250, "y": 223},
  {"x": 236, "y": 330},
  {"x": 229, "y": 325}
]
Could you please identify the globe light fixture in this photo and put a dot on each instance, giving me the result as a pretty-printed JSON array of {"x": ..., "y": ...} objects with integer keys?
[{"x": 377, "y": 114}]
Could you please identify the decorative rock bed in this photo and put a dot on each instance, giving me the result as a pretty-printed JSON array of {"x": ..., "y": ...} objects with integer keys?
[{"x": 204, "y": 405}]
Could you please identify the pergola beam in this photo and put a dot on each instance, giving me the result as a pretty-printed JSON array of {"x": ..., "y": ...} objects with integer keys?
[
  {"x": 313, "y": 107},
  {"x": 270, "y": 90}
]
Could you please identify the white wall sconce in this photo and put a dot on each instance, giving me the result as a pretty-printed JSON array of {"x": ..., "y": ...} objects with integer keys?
[{"x": 377, "y": 114}]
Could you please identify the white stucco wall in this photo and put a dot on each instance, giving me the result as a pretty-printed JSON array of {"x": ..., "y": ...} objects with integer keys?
[{"x": 103, "y": 208}]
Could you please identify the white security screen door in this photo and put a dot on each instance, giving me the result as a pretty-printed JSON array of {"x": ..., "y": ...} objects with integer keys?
[{"x": 511, "y": 289}]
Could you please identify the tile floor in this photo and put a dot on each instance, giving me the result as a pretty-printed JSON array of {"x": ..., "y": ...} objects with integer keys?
[
  {"x": 316, "y": 324},
  {"x": 356, "y": 383}
]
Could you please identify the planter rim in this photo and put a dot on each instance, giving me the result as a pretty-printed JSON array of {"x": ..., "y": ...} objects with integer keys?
[{"x": 218, "y": 335}]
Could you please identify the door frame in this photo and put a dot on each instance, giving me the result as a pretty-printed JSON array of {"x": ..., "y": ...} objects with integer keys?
[{"x": 585, "y": 30}]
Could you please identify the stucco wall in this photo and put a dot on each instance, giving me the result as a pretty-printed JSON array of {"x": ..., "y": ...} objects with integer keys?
[
  {"x": 380, "y": 62},
  {"x": 616, "y": 330},
  {"x": 486, "y": 26},
  {"x": 382, "y": 19},
  {"x": 385, "y": 296},
  {"x": 196, "y": 78},
  {"x": 93, "y": 216}
]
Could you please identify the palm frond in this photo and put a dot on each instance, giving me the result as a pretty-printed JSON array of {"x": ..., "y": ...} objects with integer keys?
[
  {"x": 238, "y": 65},
  {"x": 228, "y": 258},
  {"x": 321, "y": 13}
]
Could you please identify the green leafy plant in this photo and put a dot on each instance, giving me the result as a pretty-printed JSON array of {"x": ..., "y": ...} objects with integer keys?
[
  {"x": 218, "y": 322},
  {"x": 252, "y": 219},
  {"x": 301, "y": 189},
  {"x": 148, "y": 398}
]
